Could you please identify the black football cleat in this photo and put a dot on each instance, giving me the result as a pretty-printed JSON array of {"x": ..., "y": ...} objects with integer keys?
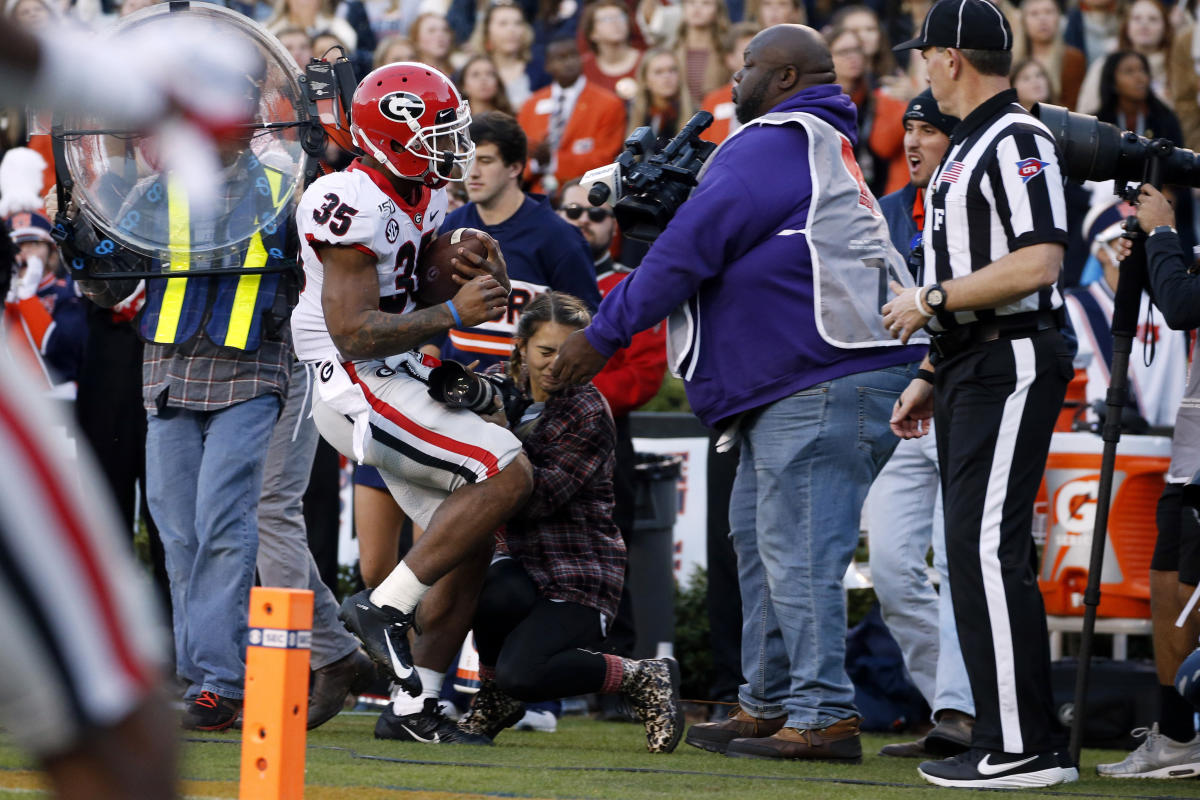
[
  {"x": 427, "y": 726},
  {"x": 383, "y": 632}
]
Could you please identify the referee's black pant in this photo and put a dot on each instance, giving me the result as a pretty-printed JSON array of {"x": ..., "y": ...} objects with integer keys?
[{"x": 995, "y": 406}]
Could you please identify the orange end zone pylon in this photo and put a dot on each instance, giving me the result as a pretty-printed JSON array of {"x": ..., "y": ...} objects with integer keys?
[{"x": 276, "y": 707}]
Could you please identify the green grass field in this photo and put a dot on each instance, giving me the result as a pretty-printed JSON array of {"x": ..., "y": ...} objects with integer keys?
[{"x": 585, "y": 759}]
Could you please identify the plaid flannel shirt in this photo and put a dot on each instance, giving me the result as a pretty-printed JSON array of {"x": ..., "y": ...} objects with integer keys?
[
  {"x": 201, "y": 376},
  {"x": 565, "y": 537}
]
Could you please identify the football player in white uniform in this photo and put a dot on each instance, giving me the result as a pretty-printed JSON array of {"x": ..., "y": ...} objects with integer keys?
[{"x": 456, "y": 475}]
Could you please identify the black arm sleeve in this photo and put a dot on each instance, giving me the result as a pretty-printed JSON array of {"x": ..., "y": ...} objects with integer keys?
[{"x": 1173, "y": 289}]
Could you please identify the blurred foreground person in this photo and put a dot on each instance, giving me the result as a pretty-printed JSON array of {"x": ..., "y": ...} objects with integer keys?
[{"x": 78, "y": 669}]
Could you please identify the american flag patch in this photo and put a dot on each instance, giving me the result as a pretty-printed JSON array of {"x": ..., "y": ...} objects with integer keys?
[{"x": 952, "y": 173}]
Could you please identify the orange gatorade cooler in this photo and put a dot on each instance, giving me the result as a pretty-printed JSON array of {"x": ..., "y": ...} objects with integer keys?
[{"x": 1071, "y": 486}]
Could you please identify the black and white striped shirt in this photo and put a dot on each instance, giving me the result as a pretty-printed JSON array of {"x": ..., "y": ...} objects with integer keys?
[{"x": 998, "y": 189}]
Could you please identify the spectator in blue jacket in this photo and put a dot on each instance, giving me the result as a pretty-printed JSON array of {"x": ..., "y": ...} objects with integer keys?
[
  {"x": 771, "y": 273},
  {"x": 904, "y": 508}
]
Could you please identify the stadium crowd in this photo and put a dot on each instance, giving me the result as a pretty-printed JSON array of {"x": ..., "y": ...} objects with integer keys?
[{"x": 554, "y": 88}]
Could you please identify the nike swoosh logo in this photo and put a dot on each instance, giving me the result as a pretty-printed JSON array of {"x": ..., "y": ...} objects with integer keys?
[
  {"x": 401, "y": 671},
  {"x": 987, "y": 768},
  {"x": 419, "y": 737}
]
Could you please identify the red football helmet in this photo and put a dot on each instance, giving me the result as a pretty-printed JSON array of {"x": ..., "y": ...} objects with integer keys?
[{"x": 411, "y": 118}]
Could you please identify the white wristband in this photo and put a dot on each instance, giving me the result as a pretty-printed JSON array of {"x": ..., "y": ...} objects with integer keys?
[{"x": 921, "y": 306}]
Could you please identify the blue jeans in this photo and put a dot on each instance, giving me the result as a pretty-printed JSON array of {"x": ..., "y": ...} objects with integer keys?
[
  {"x": 805, "y": 466},
  {"x": 203, "y": 478},
  {"x": 904, "y": 510},
  {"x": 284, "y": 559}
]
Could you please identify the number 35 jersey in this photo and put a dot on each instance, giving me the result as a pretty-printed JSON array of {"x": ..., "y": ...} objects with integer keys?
[{"x": 359, "y": 208}]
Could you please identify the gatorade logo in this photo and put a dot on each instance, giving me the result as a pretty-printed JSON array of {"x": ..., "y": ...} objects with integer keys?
[{"x": 1075, "y": 505}]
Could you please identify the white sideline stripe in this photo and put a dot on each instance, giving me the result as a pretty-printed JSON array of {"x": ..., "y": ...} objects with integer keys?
[{"x": 1025, "y": 363}]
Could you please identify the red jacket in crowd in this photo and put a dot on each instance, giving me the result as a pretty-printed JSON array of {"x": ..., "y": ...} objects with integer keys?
[{"x": 593, "y": 135}]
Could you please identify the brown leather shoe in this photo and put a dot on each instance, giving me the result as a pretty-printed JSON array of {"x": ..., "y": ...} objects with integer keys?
[
  {"x": 330, "y": 685},
  {"x": 906, "y": 749},
  {"x": 838, "y": 742},
  {"x": 716, "y": 736},
  {"x": 951, "y": 735}
]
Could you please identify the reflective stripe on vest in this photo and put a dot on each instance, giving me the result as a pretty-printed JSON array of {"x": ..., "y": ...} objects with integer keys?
[{"x": 174, "y": 316}]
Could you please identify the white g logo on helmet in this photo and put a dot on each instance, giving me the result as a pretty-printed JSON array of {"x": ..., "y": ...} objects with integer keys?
[{"x": 403, "y": 107}]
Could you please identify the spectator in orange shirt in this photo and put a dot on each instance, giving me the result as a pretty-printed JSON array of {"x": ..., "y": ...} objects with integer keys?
[
  {"x": 572, "y": 125},
  {"x": 661, "y": 101},
  {"x": 719, "y": 102},
  {"x": 880, "y": 147},
  {"x": 611, "y": 60}
]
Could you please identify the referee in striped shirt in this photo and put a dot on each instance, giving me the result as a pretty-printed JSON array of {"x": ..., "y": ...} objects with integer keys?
[{"x": 994, "y": 380}]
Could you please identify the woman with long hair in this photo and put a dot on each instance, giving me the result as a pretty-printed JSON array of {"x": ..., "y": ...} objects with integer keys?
[
  {"x": 480, "y": 86},
  {"x": 1128, "y": 100},
  {"x": 661, "y": 101},
  {"x": 555, "y": 581},
  {"x": 392, "y": 49},
  {"x": 1039, "y": 37},
  {"x": 433, "y": 41},
  {"x": 1146, "y": 29},
  {"x": 700, "y": 46},
  {"x": 1033, "y": 83},
  {"x": 767, "y": 13},
  {"x": 507, "y": 37},
  {"x": 880, "y": 147},
  {"x": 611, "y": 60}
]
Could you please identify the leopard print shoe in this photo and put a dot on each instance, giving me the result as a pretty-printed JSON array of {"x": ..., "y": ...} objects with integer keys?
[
  {"x": 491, "y": 711},
  {"x": 652, "y": 688}
]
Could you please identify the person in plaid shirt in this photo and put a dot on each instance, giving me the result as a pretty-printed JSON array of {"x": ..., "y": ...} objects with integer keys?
[{"x": 555, "y": 582}]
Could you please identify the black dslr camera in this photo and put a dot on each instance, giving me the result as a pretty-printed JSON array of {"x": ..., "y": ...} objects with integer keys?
[
  {"x": 645, "y": 185},
  {"x": 453, "y": 385},
  {"x": 1098, "y": 151}
]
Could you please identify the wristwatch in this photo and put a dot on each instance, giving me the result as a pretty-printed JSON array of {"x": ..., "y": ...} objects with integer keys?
[
  {"x": 935, "y": 298},
  {"x": 1162, "y": 229}
]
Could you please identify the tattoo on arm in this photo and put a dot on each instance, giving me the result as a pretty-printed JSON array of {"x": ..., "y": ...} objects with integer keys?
[
  {"x": 350, "y": 299},
  {"x": 380, "y": 334}
]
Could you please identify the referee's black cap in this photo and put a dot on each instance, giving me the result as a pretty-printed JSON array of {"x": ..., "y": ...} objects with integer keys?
[
  {"x": 924, "y": 108},
  {"x": 963, "y": 25}
]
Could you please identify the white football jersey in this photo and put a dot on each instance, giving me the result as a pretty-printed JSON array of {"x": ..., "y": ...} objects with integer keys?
[{"x": 359, "y": 208}]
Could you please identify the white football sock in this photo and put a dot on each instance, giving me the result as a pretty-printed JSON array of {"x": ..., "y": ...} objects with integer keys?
[
  {"x": 431, "y": 686},
  {"x": 400, "y": 590}
]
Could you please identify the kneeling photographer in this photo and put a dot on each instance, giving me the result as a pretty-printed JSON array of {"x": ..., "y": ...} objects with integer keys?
[
  {"x": 1172, "y": 745},
  {"x": 773, "y": 273},
  {"x": 552, "y": 590}
]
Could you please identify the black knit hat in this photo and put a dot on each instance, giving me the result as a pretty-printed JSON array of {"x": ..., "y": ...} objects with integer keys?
[{"x": 924, "y": 108}]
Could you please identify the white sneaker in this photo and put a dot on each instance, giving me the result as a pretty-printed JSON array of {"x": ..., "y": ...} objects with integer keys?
[
  {"x": 541, "y": 721},
  {"x": 1157, "y": 757}
]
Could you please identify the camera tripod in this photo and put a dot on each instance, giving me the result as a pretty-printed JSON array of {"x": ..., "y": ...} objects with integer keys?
[{"x": 1132, "y": 281}]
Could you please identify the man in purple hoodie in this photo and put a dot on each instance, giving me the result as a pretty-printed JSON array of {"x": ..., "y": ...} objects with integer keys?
[{"x": 771, "y": 274}]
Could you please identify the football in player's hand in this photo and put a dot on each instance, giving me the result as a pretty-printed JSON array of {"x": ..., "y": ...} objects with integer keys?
[{"x": 434, "y": 270}]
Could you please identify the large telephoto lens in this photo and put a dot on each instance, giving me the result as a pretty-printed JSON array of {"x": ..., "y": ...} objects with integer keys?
[{"x": 1098, "y": 151}]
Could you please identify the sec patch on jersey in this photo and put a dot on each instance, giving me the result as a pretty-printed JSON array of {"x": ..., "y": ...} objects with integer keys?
[{"x": 435, "y": 283}]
